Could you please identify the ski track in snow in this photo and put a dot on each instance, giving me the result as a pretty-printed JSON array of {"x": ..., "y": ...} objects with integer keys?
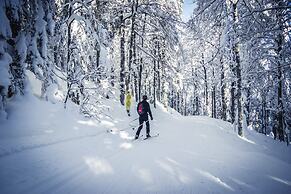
[
  {"x": 62, "y": 177},
  {"x": 31, "y": 147}
]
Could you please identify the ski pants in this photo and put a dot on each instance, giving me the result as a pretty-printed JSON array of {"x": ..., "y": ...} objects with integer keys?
[{"x": 141, "y": 120}]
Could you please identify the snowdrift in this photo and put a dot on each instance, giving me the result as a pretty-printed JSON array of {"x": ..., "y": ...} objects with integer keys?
[{"x": 45, "y": 148}]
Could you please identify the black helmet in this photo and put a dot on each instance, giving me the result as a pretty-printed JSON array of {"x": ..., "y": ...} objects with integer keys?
[{"x": 144, "y": 97}]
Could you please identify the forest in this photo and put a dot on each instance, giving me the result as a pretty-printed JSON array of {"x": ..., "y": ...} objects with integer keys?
[{"x": 231, "y": 60}]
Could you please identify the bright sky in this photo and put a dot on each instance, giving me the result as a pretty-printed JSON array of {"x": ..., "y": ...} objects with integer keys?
[{"x": 187, "y": 9}]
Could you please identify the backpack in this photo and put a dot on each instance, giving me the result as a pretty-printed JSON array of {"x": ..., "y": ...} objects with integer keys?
[{"x": 140, "y": 109}]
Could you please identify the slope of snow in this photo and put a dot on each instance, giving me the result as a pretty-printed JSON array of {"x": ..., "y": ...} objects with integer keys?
[{"x": 47, "y": 149}]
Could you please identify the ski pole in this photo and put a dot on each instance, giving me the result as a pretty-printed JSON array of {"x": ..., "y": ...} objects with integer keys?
[
  {"x": 133, "y": 127},
  {"x": 139, "y": 125},
  {"x": 130, "y": 122},
  {"x": 133, "y": 120},
  {"x": 123, "y": 129}
]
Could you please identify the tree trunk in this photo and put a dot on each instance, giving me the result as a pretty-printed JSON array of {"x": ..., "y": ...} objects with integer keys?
[
  {"x": 205, "y": 87},
  {"x": 155, "y": 70},
  {"x": 131, "y": 43},
  {"x": 68, "y": 68},
  {"x": 213, "y": 102},
  {"x": 222, "y": 91},
  {"x": 213, "y": 114},
  {"x": 139, "y": 80},
  {"x": 15, "y": 67},
  {"x": 122, "y": 61},
  {"x": 280, "y": 76},
  {"x": 135, "y": 87},
  {"x": 141, "y": 61},
  {"x": 238, "y": 71},
  {"x": 158, "y": 73},
  {"x": 248, "y": 105},
  {"x": 98, "y": 61},
  {"x": 280, "y": 91},
  {"x": 232, "y": 103}
]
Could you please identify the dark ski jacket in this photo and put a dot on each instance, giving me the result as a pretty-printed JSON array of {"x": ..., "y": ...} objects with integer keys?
[{"x": 146, "y": 110}]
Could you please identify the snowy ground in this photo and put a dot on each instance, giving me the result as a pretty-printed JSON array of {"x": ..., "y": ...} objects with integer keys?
[{"x": 46, "y": 149}]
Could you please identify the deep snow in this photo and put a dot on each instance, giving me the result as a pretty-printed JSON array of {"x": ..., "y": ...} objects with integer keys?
[{"x": 47, "y": 149}]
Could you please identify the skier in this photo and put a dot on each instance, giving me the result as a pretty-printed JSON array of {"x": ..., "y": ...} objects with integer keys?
[
  {"x": 143, "y": 109},
  {"x": 128, "y": 102}
]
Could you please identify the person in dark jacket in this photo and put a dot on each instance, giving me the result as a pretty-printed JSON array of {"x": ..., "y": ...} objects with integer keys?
[{"x": 143, "y": 110}]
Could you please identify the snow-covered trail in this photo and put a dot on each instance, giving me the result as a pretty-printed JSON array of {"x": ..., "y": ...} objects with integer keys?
[{"x": 191, "y": 155}]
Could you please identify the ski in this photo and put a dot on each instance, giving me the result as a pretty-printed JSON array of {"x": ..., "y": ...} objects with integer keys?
[
  {"x": 140, "y": 138},
  {"x": 156, "y": 135}
]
